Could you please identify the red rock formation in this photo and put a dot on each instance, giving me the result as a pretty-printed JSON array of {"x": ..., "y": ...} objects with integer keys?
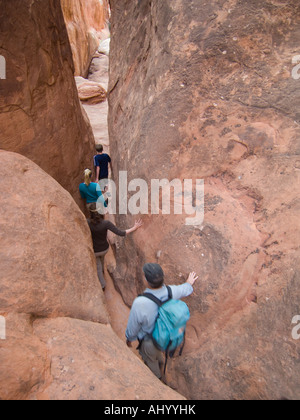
[
  {"x": 47, "y": 264},
  {"x": 58, "y": 344},
  {"x": 83, "y": 18},
  {"x": 206, "y": 91},
  {"x": 98, "y": 366},
  {"x": 91, "y": 93},
  {"x": 41, "y": 116}
]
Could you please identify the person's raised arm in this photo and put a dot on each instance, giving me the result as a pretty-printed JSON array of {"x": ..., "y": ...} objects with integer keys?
[
  {"x": 117, "y": 231},
  {"x": 138, "y": 224},
  {"x": 185, "y": 289}
]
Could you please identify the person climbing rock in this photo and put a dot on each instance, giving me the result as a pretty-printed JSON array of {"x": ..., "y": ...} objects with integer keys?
[
  {"x": 99, "y": 228},
  {"x": 101, "y": 162},
  {"x": 91, "y": 191},
  {"x": 144, "y": 312}
]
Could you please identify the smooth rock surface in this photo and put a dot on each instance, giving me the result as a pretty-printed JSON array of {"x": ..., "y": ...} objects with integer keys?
[
  {"x": 206, "y": 91},
  {"x": 47, "y": 261},
  {"x": 89, "y": 362},
  {"x": 41, "y": 116}
]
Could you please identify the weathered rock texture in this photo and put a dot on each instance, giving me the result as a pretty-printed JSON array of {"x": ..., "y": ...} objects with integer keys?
[
  {"x": 58, "y": 343},
  {"x": 40, "y": 114},
  {"x": 204, "y": 90},
  {"x": 83, "y": 19},
  {"x": 47, "y": 261},
  {"x": 98, "y": 366}
]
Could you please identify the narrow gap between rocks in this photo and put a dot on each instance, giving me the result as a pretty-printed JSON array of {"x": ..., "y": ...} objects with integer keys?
[{"x": 98, "y": 113}]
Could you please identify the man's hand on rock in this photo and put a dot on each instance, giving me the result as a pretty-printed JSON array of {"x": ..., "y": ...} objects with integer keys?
[{"x": 192, "y": 278}]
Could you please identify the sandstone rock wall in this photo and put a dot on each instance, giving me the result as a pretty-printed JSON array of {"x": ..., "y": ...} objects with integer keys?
[
  {"x": 83, "y": 19},
  {"x": 40, "y": 114},
  {"x": 210, "y": 90}
]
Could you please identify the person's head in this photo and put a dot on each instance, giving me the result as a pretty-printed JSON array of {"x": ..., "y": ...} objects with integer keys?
[
  {"x": 154, "y": 275},
  {"x": 99, "y": 148},
  {"x": 87, "y": 177},
  {"x": 95, "y": 216}
]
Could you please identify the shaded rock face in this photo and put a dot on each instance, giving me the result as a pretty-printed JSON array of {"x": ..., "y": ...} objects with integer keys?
[
  {"x": 47, "y": 268},
  {"x": 58, "y": 344},
  {"x": 41, "y": 116},
  {"x": 210, "y": 91},
  {"x": 83, "y": 19}
]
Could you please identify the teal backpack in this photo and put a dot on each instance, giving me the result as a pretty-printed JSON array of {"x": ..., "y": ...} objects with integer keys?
[{"x": 170, "y": 325}]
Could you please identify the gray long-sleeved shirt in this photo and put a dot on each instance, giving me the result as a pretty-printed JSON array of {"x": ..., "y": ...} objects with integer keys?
[{"x": 144, "y": 312}]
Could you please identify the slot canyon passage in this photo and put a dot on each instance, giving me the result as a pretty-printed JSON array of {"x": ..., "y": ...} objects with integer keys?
[{"x": 196, "y": 89}]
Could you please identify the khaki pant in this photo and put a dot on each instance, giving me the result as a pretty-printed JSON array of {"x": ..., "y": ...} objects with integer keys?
[
  {"x": 152, "y": 357},
  {"x": 100, "y": 267}
]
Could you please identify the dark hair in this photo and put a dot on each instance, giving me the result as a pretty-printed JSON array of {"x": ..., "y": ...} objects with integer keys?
[
  {"x": 99, "y": 148},
  {"x": 95, "y": 216},
  {"x": 154, "y": 275}
]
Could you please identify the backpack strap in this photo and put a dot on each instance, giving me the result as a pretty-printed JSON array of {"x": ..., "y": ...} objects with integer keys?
[
  {"x": 170, "y": 293},
  {"x": 158, "y": 302},
  {"x": 153, "y": 298}
]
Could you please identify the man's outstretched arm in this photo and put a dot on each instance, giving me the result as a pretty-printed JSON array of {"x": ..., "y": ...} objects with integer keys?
[{"x": 185, "y": 289}]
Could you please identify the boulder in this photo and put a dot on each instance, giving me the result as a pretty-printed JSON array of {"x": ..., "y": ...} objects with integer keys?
[
  {"x": 63, "y": 359},
  {"x": 87, "y": 361},
  {"x": 91, "y": 93},
  {"x": 23, "y": 361},
  {"x": 47, "y": 261}
]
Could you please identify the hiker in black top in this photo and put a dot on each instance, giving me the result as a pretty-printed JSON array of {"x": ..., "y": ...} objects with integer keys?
[{"x": 99, "y": 228}]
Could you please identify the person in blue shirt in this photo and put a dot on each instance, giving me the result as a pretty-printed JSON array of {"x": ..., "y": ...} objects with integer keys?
[
  {"x": 101, "y": 162},
  {"x": 91, "y": 191}
]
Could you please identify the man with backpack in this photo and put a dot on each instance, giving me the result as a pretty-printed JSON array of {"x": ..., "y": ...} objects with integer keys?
[{"x": 158, "y": 318}]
